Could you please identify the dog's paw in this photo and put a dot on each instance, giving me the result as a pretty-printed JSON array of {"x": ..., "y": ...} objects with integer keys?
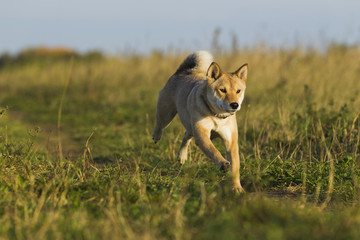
[
  {"x": 237, "y": 188},
  {"x": 182, "y": 157},
  {"x": 181, "y": 160},
  {"x": 225, "y": 166},
  {"x": 156, "y": 138}
]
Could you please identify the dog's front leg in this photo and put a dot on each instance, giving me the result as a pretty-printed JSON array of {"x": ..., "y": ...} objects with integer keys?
[
  {"x": 232, "y": 155},
  {"x": 202, "y": 140}
]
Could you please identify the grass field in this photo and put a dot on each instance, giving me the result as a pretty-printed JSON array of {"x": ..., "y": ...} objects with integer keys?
[{"x": 77, "y": 160}]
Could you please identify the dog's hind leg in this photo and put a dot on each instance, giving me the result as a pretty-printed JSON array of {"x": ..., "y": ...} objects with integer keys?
[
  {"x": 166, "y": 111},
  {"x": 182, "y": 154}
]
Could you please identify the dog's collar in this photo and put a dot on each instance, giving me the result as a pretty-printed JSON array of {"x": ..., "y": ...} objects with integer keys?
[{"x": 210, "y": 109}]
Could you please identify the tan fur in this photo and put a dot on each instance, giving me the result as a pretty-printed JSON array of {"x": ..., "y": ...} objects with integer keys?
[{"x": 206, "y": 107}]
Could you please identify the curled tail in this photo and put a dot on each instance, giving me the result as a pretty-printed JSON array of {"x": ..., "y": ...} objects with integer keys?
[{"x": 196, "y": 64}]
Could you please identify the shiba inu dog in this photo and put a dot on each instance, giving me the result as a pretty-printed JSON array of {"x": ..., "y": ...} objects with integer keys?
[{"x": 206, "y": 100}]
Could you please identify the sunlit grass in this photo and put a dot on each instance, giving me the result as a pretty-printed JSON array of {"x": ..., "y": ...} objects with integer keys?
[{"x": 298, "y": 139}]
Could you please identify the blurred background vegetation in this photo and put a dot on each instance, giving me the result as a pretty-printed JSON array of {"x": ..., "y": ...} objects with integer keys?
[{"x": 46, "y": 54}]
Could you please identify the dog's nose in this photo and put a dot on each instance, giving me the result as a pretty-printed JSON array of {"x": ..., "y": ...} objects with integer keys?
[{"x": 234, "y": 105}]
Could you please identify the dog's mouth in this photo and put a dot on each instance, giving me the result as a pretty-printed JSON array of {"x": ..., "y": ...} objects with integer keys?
[{"x": 232, "y": 112}]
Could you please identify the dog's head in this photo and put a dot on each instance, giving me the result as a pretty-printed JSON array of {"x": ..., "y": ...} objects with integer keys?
[{"x": 225, "y": 91}]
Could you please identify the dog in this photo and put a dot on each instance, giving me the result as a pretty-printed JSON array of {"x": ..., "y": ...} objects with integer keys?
[{"x": 206, "y": 100}]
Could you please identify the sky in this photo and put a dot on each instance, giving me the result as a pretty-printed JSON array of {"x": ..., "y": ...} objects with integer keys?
[{"x": 115, "y": 26}]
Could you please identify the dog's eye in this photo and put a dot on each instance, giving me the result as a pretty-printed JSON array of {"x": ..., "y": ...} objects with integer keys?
[
  {"x": 238, "y": 91},
  {"x": 223, "y": 90}
]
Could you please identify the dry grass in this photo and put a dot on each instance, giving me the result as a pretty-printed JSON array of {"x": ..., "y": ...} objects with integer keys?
[{"x": 299, "y": 144}]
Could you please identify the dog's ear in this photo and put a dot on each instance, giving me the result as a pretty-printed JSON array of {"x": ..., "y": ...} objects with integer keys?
[
  {"x": 242, "y": 72},
  {"x": 213, "y": 72}
]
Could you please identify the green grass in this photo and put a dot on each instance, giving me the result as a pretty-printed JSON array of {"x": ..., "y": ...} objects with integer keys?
[{"x": 298, "y": 138}]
